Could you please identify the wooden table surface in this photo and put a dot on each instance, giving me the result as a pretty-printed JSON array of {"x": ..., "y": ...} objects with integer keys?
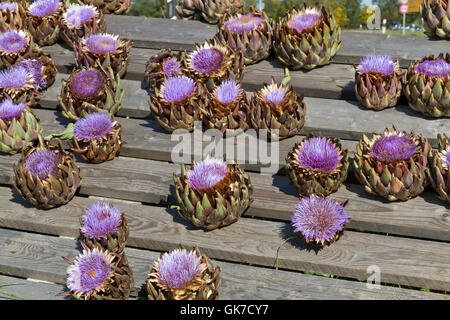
[{"x": 408, "y": 241}]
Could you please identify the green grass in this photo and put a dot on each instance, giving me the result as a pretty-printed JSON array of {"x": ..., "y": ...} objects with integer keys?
[{"x": 407, "y": 33}]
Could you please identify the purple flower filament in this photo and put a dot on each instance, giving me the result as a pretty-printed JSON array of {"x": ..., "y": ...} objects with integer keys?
[
  {"x": 42, "y": 163},
  {"x": 94, "y": 126},
  {"x": 9, "y": 110},
  {"x": 445, "y": 158},
  {"x": 14, "y": 78},
  {"x": 304, "y": 20},
  {"x": 100, "y": 220},
  {"x": 76, "y": 15},
  {"x": 101, "y": 43},
  {"x": 318, "y": 153},
  {"x": 8, "y": 6},
  {"x": 227, "y": 91},
  {"x": 393, "y": 147},
  {"x": 36, "y": 69},
  {"x": 246, "y": 22},
  {"x": 177, "y": 89},
  {"x": 178, "y": 268},
  {"x": 44, "y": 8},
  {"x": 377, "y": 63},
  {"x": 207, "y": 174},
  {"x": 207, "y": 60},
  {"x": 12, "y": 41},
  {"x": 434, "y": 68},
  {"x": 171, "y": 67},
  {"x": 86, "y": 83}
]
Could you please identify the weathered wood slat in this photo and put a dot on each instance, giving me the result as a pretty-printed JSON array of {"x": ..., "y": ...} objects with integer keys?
[
  {"x": 157, "y": 33},
  {"x": 416, "y": 263},
  {"x": 21, "y": 289}
]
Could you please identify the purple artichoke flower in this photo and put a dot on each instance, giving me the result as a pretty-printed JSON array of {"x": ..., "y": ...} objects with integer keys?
[
  {"x": 8, "y": 6},
  {"x": 86, "y": 83},
  {"x": 244, "y": 22},
  {"x": 207, "y": 59},
  {"x": 305, "y": 20},
  {"x": 207, "y": 174},
  {"x": 445, "y": 157},
  {"x": 100, "y": 220},
  {"x": 319, "y": 219},
  {"x": 318, "y": 153},
  {"x": 44, "y": 8},
  {"x": 177, "y": 269},
  {"x": 377, "y": 63},
  {"x": 274, "y": 94},
  {"x": 36, "y": 69},
  {"x": 42, "y": 163},
  {"x": 438, "y": 68},
  {"x": 15, "y": 78},
  {"x": 94, "y": 126},
  {"x": 101, "y": 43},
  {"x": 176, "y": 89},
  {"x": 76, "y": 15},
  {"x": 393, "y": 147},
  {"x": 171, "y": 66},
  {"x": 90, "y": 271},
  {"x": 12, "y": 41},
  {"x": 228, "y": 91},
  {"x": 9, "y": 110}
]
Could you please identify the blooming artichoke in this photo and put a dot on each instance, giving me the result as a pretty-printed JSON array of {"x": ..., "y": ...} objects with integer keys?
[
  {"x": 46, "y": 176},
  {"x": 175, "y": 104},
  {"x": 306, "y": 38},
  {"x": 88, "y": 90},
  {"x": 317, "y": 165},
  {"x": 19, "y": 127},
  {"x": 110, "y": 6},
  {"x": 212, "y": 193},
  {"x": 250, "y": 33},
  {"x": 436, "y": 18},
  {"x": 42, "y": 20},
  {"x": 211, "y": 63},
  {"x": 161, "y": 66},
  {"x": 183, "y": 275},
  {"x": 439, "y": 168},
  {"x": 427, "y": 86},
  {"x": 320, "y": 220},
  {"x": 104, "y": 226},
  {"x": 80, "y": 21},
  {"x": 96, "y": 137},
  {"x": 18, "y": 84},
  {"x": 213, "y": 10},
  {"x": 393, "y": 164},
  {"x": 11, "y": 16},
  {"x": 226, "y": 107},
  {"x": 103, "y": 49},
  {"x": 378, "y": 82},
  {"x": 278, "y": 107},
  {"x": 98, "y": 274}
]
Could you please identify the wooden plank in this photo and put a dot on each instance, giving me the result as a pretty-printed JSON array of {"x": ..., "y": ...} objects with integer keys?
[
  {"x": 40, "y": 255},
  {"x": 157, "y": 33},
  {"x": 22, "y": 289},
  {"x": 417, "y": 263}
]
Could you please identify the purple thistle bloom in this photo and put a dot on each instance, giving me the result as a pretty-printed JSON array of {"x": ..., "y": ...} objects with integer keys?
[
  {"x": 305, "y": 20},
  {"x": 178, "y": 268},
  {"x": 171, "y": 66},
  {"x": 227, "y": 91},
  {"x": 94, "y": 126},
  {"x": 393, "y": 147},
  {"x": 10, "y": 6},
  {"x": 76, "y": 15},
  {"x": 276, "y": 96},
  {"x": 43, "y": 8},
  {"x": 318, "y": 218},
  {"x": 13, "y": 41},
  {"x": 86, "y": 83},
  {"x": 245, "y": 22},
  {"x": 434, "y": 68},
  {"x": 445, "y": 157},
  {"x": 14, "y": 78},
  {"x": 177, "y": 89},
  {"x": 89, "y": 271},
  {"x": 42, "y": 163},
  {"x": 9, "y": 110},
  {"x": 207, "y": 60},
  {"x": 36, "y": 69},
  {"x": 377, "y": 63},
  {"x": 100, "y": 220},
  {"x": 101, "y": 43},
  {"x": 318, "y": 153},
  {"x": 207, "y": 174}
]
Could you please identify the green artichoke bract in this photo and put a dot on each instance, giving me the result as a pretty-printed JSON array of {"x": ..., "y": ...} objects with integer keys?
[
  {"x": 213, "y": 10},
  {"x": 306, "y": 38},
  {"x": 439, "y": 168},
  {"x": 378, "y": 82},
  {"x": 436, "y": 18},
  {"x": 393, "y": 164},
  {"x": 250, "y": 33},
  {"x": 317, "y": 165},
  {"x": 212, "y": 193},
  {"x": 427, "y": 86},
  {"x": 186, "y": 9},
  {"x": 11, "y": 16},
  {"x": 19, "y": 128}
]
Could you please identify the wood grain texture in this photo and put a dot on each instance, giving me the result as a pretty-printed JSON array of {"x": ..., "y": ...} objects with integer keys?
[
  {"x": 404, "y": 261},
  {"x": 238, "y": 281},
  {"x": 21, "y": 289}
]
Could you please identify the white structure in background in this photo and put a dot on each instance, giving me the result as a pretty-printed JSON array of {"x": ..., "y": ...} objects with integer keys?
[
  {"x": 383, "y": 29},
  {"x": 171, "y": 13},
  {"x": 260, "y": 5}
]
